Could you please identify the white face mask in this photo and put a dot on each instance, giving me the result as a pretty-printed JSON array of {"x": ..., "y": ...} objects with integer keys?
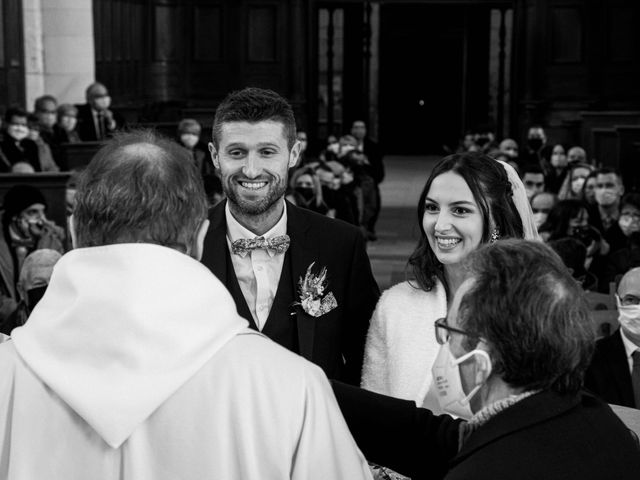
[
  {"x": 576, "y": 185},
  {"x": 629, "y": 317},
  {"x": 17, "y": 132},
  {"x": 446, "y": 377},
  {"x": 189, "y": 140}
]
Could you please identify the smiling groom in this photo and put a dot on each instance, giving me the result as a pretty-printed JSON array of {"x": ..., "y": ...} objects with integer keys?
[{"x": 261, "y": 246}]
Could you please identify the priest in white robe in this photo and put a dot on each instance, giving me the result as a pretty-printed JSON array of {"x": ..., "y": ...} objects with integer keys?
[{"x": 135, "y": 364}]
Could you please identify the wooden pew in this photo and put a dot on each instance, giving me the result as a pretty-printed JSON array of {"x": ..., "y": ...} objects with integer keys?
[
  {"x": 76, "y": 156},
  {"x": 52, "y": 185}
]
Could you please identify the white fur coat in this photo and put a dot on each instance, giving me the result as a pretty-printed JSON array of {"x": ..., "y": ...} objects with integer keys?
[{"x": 401, "y": 344}]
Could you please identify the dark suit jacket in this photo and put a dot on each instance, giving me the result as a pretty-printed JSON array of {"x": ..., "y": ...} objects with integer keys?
[
  {"x": 545, "y": 436},
  {"x": 608, "y": 375},
  {"x": 374, "y": 155},
  {"x": 334, "y": 341},
  {"x": 13, "y": 154},
  {"x": 86, "y": 127}
]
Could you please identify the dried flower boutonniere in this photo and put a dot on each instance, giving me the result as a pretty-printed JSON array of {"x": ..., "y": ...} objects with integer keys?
[{"x": 311, "y": 288}]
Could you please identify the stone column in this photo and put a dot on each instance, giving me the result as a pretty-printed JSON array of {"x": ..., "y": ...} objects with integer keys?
[{"x": 59, "y": 49}]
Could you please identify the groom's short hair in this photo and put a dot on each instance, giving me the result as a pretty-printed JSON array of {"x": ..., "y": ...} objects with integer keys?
[
  {"x": 255, "y": 105},
  {"x": 139, "y": 188}
]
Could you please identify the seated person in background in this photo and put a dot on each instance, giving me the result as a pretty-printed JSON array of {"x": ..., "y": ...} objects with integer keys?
[
  {"x": 577, "y": 155},
  {"x": 541, "y": 205},
  {"x": 623, "y": 259},
  {"x": 306, "y": 192},
  {"x": 64, "y": 131},
  {"x": 33, "y": 280},
  {"x": 137, "y": 357},
  {"x": 589, "y": 188},
  {"x": 574, "y": 181},
  {"x": 331, "y": 150},
  {"x": 45, "y": 109},
  {"x": 513, "y": 351},
  {"x": 338, "y": 191},
  {"x": 45, "y": 155},
  {"x": 15, "y": 145},
  {"x": 25, "y": 228},
  {"x": 614, "y": 374},
  {"x": 96, "y": 120},
  {"x": 533, "y": 180},
  {"x": 536, "y": 148},
  {"x": 574, "y": 255},
  {"x": 556, "y": 170},
  {"x": 189, "y": 131},
  {"x": 604, "y": 215},
  {"x": 509, "y": 147}
]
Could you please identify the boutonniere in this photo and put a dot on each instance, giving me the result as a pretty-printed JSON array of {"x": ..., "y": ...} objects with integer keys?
[{"x": 311, "y": 289}]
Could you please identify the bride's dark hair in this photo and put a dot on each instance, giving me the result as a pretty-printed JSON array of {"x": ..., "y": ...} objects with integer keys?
[{"x": 491, "y": 189}]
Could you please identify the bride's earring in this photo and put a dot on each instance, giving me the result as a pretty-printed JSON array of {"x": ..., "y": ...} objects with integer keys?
[{"x": 495, "y": 235}]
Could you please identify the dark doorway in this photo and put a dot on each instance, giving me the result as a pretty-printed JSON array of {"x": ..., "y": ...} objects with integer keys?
[{"x": 427, "y": 73}]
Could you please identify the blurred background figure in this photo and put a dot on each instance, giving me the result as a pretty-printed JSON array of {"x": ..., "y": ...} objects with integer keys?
[
  {"x": 45, "y": 110},
  {"x": 189, "y": 131},
  {"x": 574, "y": 255},
  {"x": 16, "y": 146},
  {"x": 64, "y": 131},
  {"x": 533, "y": 180},
  {"x": 541, "y": 204},
  {"x": 96, "y": 120},
  {"x": 45, "y": 155},
  {"x": 306, "y": 191},
  {"x": 22, "y": 167},
  {"x": 509, "y": 147},
  {"x": 25, "y": 228},
  {"x": 577, "y": 154},
  {"x": 33, "y": 281},
  {"x": 573, "y": 185},
  {"x": 557, "y": 169},
  {"x": 536, "y": 147}
]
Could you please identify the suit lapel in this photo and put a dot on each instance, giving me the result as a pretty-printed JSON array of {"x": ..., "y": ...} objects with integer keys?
[
  {"x": 303, "y": 252},
  {"x": 216, "y": 257},
  {"x": 617, "y": 359}
]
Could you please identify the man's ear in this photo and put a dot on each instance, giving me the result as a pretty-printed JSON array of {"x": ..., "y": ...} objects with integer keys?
[
  {"x": 214, "y": 155},
  {"x": 198, "y": 241},
  {"x": 483, "y": 366},
  {"x": 294, "y": 154},
  {"x": 72, "y": 231}
]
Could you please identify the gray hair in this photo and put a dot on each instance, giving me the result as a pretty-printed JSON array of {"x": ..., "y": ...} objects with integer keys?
[
  {"x": 140, "y": 188},
  {"x": 532, "y": 313}
]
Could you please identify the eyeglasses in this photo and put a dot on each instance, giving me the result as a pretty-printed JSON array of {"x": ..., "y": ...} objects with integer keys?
[{"x": 443, "y": 331}]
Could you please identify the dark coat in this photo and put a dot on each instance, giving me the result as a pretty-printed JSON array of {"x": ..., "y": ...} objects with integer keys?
[
  {"x": 608, "y": 375},
  {"x": 28, "y": 153},
  {"x": 86, "y": 127},
  {"x": 334, "y": 341},
  {"x": 545, "y": 436}
]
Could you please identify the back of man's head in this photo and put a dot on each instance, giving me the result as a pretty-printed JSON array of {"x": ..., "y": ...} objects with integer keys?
[
  {"x": 139, "y": 188},
  {"x": 255, "y": 105},
  {"x": 532, "y": 313}
]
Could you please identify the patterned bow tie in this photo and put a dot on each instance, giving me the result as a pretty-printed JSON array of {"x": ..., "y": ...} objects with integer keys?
[{"x": 243, "y": 246}]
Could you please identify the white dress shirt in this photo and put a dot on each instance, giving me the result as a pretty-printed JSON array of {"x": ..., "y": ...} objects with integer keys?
[
  {"x": 629, "y": 348},
  {"x": 258, "y": 273}
]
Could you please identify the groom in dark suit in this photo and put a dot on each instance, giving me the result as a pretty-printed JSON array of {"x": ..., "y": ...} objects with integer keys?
[{"x": 300, "y": 278}]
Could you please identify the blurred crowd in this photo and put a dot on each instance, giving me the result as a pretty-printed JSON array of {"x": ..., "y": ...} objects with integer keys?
[{"x": 580, "y": 208}]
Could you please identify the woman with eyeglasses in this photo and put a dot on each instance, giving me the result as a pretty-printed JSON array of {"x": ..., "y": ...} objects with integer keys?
[{"x": 469, "y": 200}]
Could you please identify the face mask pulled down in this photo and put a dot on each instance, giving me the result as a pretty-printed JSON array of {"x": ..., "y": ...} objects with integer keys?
[{"x": 448, "y": 382}]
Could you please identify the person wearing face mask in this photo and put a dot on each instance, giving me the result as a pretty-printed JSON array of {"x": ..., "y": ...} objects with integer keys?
[
  {"x": 45, "y": 151},
  {"x": 574, "y": 181},
  {"x": 536, "y": 148},
  {"x": 97, "y": 121},
  {"x": 16, "y": 146},
  {"x": 509, "y": 147},
  {"x": 330, "y": 153},
  {"x": 541, "y": 204},
  {"x": 576, "y": 154},
  {"x": 620, "y": 261},
  {"x": 513, "y": 351},
  {"x": 306, "y": 191},
  {"x": 557, "y": 169},
  {"x": 189, "y": 131},
  {"x": 25, "y": 228},
  {"x": 614, "y": 373},
  {"x": 605, "y": 214},
  {"x": 64, "y": 131}
]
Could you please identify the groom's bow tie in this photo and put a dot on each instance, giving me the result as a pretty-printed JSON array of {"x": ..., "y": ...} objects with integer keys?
[{"x": 243, "y": 246}]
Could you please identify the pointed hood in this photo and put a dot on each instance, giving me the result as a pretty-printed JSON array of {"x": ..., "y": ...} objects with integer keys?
[{"x": 121, "y": 328}]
